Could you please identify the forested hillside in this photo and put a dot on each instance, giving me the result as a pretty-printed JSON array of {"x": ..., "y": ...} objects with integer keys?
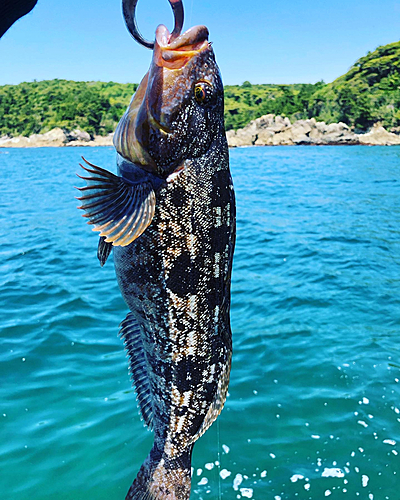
[
  {"x": 37, "y": 107},
  {"x": 368, "y": 93}
]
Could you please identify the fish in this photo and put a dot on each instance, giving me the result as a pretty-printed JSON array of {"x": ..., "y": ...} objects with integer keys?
[{"x": 168, "y": 217}]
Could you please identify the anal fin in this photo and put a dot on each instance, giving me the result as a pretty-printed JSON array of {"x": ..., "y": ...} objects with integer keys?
[
  {"x": 103, "y": 250},
  {"x": 119, "y": 210},
  {"x": 131, "y": 335}
]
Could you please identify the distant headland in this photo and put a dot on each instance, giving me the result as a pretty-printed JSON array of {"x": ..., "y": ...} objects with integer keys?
[{"x": 360, "y": 107}]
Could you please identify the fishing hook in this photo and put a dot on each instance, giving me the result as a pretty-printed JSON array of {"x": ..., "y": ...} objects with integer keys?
[{"x": 128, "y": 9}]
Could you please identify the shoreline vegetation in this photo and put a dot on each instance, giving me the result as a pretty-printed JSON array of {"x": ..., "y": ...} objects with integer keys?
[{"x": 360, "y": 107}]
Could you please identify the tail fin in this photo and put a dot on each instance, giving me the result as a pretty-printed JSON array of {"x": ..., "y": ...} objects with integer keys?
[{"x": 163, "y": 478}]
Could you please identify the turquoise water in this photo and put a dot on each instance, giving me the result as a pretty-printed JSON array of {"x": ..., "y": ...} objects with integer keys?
[{"x": 314, "y": 404}]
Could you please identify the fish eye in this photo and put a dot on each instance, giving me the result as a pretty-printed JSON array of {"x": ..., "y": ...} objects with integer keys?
[{"x": 203, "y": 92}]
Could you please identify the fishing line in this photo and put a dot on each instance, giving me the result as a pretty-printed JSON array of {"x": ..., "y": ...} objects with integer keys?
[{"x": 219, "y": 462}]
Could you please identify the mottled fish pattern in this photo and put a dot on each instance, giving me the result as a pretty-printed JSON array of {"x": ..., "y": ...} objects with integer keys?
[{"x": 175, "y": 274}]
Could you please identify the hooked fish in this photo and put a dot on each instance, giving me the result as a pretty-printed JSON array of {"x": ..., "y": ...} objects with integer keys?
[{"x": 169, "y": 217}]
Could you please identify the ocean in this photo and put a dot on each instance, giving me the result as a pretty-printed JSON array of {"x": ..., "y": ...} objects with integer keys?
[{"x": 313, "y": 410}]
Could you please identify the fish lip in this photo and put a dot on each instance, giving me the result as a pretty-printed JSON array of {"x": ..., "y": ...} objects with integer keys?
[
  {"x": 170, "y": 56},
  {"x": 193, "y": 36}
]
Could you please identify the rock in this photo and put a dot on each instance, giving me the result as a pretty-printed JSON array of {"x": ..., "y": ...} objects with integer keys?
[
  {"x": 301, "y": 130},
  {"x": 395, "y": 130},
  {"x": 339, "y": 133},
  {"x": 107, "y": 140},
  {"x": 265, "y": 121},
  {"x": 78, "y": 135},
  {"x": 54, "y": 138},
  {"x": 15, "y": 142},
  {"x": 379, "y": 136},
  {"x": 98, "y": 140},
  {"x": 265, "y": 138},
  {"x": 241, "y": 137},
  {"x": 270, "y": 130},
  {"x": 261, "y": 132},
  {"x": 4, "y": 138},
  {"x": 284, "y": 138},
  {"x": 303, "y": 127},
  {"x": 280, "y": 124},
  {"x": 320, "y": 127}
]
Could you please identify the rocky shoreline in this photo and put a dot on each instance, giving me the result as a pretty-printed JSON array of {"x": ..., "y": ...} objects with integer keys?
[
  {"x": 56, "y": 138},
  {"x": 268, "y": 130},
  {"x": 271, "y": 130}
]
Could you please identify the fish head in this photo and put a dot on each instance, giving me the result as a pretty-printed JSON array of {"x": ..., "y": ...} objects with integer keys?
[{"x": 177, "y": 110}]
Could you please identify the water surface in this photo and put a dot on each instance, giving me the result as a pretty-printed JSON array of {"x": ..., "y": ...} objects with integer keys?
[{"x": 314, "y": 401}]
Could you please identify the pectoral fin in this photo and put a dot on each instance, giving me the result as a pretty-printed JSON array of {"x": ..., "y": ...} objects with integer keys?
[
  {"x": 103, "y": 250},
  {"x": 120, "y": 211}
]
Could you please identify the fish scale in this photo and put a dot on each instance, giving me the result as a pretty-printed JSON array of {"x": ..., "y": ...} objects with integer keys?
[{"x": 169, "y": 217}]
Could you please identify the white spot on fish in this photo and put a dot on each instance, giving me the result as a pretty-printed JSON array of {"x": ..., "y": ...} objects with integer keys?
[
  {"x": 246, "y": 492},
  {"x": 225, "y": 447},
  {"x": 203, "y": 481},
  {"x": 186, "y": 397},
  {"x": 181, "y": 423}
]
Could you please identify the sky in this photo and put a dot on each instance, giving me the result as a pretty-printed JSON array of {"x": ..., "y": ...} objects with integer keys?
[{"x": 262, "y": 41}]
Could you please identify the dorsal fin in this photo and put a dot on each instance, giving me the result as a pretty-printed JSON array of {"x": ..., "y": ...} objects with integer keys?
[
  {"x": 119, "y": 210},
  {"x": 131, "y": 335}
]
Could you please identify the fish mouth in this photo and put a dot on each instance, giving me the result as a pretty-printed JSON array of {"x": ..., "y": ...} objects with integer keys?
[{"x": 174, "y": 54}]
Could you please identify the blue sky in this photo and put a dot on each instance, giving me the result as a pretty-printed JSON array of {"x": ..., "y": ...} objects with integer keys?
[{"x": 261, "y": 41}]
